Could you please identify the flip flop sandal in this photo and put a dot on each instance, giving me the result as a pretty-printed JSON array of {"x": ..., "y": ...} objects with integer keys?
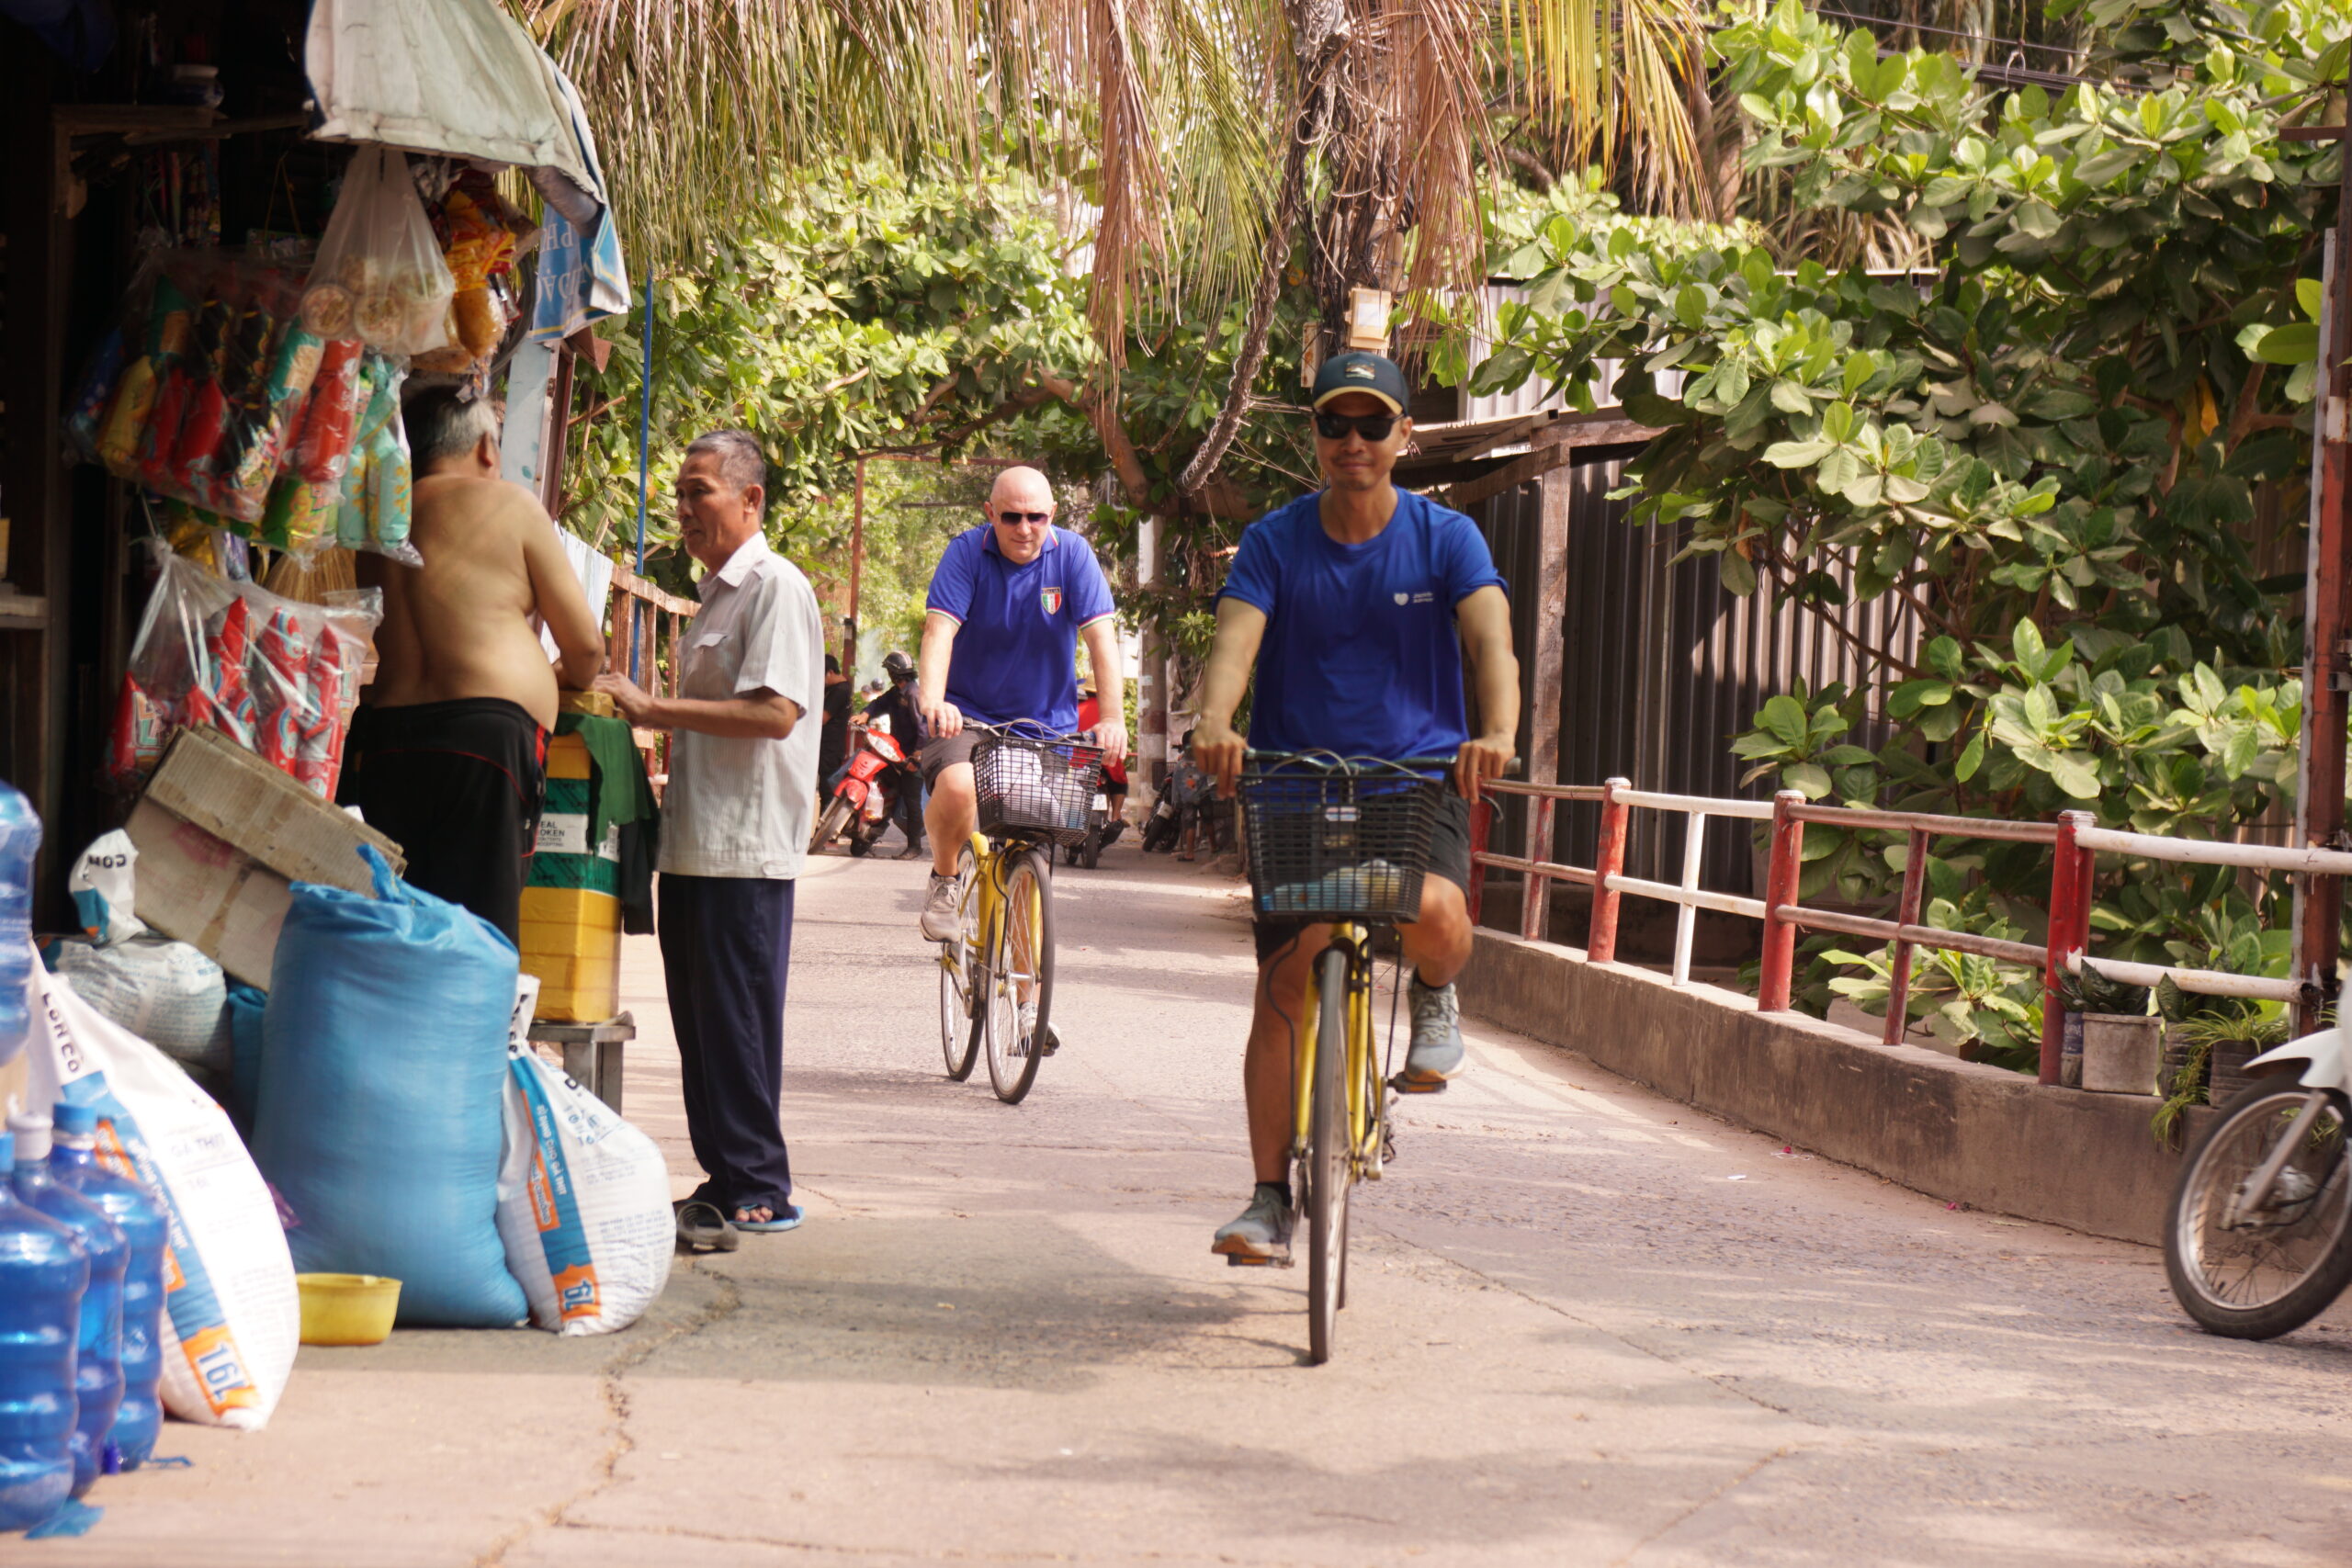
[
  {"x": 702, "y": 1227},
  {"x": 790, "y": 1218}
]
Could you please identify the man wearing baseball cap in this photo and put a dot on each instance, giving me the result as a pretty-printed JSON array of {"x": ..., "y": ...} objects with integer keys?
[{"x": 1360, "y": 607}]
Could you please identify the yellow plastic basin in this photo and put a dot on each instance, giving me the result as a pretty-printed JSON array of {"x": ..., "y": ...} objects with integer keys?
[{"x": 347, "y": 1309}]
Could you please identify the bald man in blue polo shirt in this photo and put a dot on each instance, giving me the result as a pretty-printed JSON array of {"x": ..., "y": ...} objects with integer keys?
[{"x": 1008, "y": 604}]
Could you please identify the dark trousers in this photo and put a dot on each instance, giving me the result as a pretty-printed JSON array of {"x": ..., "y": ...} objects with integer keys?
[{"x": 726, "y": 953}]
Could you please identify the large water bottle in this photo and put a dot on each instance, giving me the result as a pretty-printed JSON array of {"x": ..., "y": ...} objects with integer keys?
[
  {"x": 20, "y": 841},
  {"x": 138, "y": 1209},
  {"x": 97, "y": 1342},
  {"x": 43, "y": 1273}
]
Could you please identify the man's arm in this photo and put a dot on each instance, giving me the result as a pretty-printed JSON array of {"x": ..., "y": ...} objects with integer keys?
[
  {"x": 1485, "y": 618},
  {"x": 1110, "y": 684},
  {"x": 760, "y": 714},
  {"x": 580, "y": 643},
  {"x": 1215, "y": 746},
  {"x": 940, "y": 716}
]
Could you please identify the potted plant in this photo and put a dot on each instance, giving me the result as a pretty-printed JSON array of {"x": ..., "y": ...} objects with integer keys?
[{"x": 2122, "y": 1042}]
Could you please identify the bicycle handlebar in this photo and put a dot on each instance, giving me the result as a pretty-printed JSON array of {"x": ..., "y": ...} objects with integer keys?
[{"x": 1332, "y": 761}]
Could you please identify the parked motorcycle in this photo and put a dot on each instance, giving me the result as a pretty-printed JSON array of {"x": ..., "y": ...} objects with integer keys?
[
  {"x": 2258, "y": 1238},
  {"x": 867, "y": 796}
]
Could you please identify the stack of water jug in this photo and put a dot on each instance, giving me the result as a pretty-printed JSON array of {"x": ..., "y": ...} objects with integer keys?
[{"x": 82, "y": 1260}]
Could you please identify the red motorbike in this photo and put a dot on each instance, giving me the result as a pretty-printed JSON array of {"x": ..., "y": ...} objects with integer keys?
[{"x": 867, "y": 795}]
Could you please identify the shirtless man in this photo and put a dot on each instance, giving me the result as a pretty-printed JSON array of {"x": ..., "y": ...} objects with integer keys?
[{"x": 449, "y": 754}]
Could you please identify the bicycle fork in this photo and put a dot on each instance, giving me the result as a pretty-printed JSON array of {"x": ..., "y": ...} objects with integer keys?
[{"x": 1367, "y": 1098}]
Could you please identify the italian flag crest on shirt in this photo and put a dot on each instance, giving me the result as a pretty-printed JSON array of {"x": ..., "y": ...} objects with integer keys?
[{"x": 1052, "y": 598}]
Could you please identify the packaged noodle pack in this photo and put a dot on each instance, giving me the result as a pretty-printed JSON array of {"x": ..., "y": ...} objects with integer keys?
[{"x": 278, "y": 676}]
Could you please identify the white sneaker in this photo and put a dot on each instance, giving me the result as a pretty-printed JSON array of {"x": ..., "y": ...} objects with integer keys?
[{"x": 942, "y": 907}]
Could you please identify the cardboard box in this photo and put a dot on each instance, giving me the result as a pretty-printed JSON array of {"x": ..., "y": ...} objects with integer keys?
[{"x": 222, "y": 836}]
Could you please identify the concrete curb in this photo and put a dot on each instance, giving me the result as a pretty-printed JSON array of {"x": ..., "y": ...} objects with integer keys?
[{"x": 1957, "y": 1131}]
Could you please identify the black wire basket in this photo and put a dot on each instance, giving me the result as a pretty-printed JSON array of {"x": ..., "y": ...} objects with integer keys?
[
  {"x": 1337, "y": 846},
  {"x": 1038, "y": 789}
]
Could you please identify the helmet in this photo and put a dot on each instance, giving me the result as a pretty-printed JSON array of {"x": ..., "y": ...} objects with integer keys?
[{"x": 897, "y": 665}]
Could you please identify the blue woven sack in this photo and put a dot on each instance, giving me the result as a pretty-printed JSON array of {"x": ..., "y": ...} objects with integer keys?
[{"x": 383, "y": 1072}]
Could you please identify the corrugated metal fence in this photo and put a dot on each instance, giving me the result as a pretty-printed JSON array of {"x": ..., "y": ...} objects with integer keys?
[{"x": 1663, "y": 666}]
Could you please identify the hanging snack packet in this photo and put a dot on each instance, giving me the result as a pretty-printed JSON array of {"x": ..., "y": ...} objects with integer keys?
[{"x": 379, "y": 274}]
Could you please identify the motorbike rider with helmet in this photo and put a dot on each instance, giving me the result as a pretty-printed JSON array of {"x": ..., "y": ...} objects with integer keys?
[{"x": 899, "y": 705}]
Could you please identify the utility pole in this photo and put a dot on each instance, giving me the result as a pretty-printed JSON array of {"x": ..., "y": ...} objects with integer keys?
[
  {"x": 1151, "y": 672},
  {"x": 856, "y": 565},
  {"x": 2328, "y": 614}
]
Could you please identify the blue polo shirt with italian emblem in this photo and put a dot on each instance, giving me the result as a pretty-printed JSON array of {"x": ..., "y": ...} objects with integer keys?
[
  {"x": 1361, "y": 655},
  {"x": 1016, "y": 655}
]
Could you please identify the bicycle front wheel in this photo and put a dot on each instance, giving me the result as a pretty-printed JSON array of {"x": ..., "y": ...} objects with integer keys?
[
  {"x": 1325, "y": 1169},
  {"x": 2255, "y": 1273},
  {"x": 1020, "y": 978},
  {"x": 959, "y": 1021}
]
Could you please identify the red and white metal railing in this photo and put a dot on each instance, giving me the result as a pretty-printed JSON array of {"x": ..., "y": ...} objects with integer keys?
[{"x": 2074, "y": 839}]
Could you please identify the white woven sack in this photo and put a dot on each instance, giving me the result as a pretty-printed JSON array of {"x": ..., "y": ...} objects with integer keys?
[
  {"x": 233, "y": 1318},
  {"x": 583, "y": 1203}
]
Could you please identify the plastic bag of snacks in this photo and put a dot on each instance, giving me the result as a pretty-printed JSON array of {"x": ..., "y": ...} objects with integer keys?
[
  {"x": 380, "y": 276},
  {"x": 200, "y": 397},
  {"x": 278, "y": 676}
]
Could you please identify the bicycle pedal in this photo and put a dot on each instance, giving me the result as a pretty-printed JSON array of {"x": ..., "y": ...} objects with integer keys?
[{"x": 1404, "y": 1085}]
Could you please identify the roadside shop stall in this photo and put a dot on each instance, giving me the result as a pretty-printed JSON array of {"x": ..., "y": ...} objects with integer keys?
[{"x": 234, "y": 231}]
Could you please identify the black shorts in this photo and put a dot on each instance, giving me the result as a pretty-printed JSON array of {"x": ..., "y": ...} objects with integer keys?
[
  {"x": 1449, "y": 858},
  {"x": 457, "y": 785},
  {"x": 945, "y": 751}
]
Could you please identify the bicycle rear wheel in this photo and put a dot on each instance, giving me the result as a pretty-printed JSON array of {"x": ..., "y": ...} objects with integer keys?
[
  {"x": 1324, "y": 1170},
  {"x": 959, "y": 967},
  {"x": 1020, "y": 970}
]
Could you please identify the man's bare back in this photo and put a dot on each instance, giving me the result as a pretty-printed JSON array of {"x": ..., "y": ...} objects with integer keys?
[{"x": 460, "y": 626}]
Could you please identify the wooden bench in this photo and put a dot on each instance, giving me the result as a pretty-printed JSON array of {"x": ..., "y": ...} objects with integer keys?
[{"x": 591, "y": 1052}]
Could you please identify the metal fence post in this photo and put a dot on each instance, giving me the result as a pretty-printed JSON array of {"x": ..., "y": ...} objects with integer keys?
[
  {"x": 1907, "y": 913},
  {"x": 1535, "y": 893},
  {"x": 2069, "y": 931},
  {"x": 1481, "y": 823},
  {"x": 1608, "y": 861},
  {"x": 1686, "y": 918},
  {"x": 1783, "y": 868}
]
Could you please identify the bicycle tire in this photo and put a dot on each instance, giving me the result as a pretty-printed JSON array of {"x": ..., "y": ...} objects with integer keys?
[
  {"x": 1026, "y": 921},
  {"x": 959, "y": 968},
  {"x": 1325, "y": 1166},
  {"x": 2208, "y": 1175},
  {"x": 1091, "y": 851}
]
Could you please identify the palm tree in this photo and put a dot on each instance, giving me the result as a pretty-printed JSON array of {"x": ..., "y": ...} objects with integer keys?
[{"x": 1213, "y": 139}]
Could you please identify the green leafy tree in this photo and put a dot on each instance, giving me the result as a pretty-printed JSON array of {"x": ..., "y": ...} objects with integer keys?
[{"x": 2048, "y": 448}]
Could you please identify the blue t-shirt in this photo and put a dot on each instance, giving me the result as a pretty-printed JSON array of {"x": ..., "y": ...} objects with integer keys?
[
  {"x": 1361, "y": 655},
  {"x": 1016, "y": 655}
]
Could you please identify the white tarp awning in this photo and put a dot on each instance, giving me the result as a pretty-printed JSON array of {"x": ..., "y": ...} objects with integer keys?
[{"x": 458, "y": 77}]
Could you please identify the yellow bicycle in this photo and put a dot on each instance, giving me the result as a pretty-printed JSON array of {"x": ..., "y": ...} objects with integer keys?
[
  {"x": 996, "y": 975},
  {"x": 1343, "y": 841}
]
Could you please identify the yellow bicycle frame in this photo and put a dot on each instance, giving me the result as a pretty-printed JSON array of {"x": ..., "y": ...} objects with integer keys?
[
  {"x": 988, "y": 887},
  {"x": 1364, "y": 1103}
]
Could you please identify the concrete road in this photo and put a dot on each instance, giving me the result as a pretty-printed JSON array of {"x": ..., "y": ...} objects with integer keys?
[{"x": 1589, "y": 1326}]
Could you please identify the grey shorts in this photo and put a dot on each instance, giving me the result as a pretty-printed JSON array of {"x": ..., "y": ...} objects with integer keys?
[
  {"x": 945, "y": 751},
  {"x": 1449, "y": 858}
]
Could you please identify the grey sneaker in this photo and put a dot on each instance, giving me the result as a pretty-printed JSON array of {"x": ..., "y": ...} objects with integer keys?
[
  {"x": 1436, "y": 1055},
  {"x": 940, "y": 907},
  {"x": 1261, "y": 1234},
  {"x": 1046, "y": 1047}
]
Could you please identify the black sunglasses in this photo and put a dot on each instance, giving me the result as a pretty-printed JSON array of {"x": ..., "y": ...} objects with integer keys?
[
  {"x": 1371, "y": 426},
  {"x": 1024, "y": 517}
]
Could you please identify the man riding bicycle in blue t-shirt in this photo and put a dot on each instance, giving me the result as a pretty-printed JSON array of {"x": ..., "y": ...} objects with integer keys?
[
  {"x": 1359, "y": 607},
  {"x": 1008, "y": 604}
]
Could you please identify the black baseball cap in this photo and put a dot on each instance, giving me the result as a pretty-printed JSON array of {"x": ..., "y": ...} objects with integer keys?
[{"x": 1359, "y": 372}]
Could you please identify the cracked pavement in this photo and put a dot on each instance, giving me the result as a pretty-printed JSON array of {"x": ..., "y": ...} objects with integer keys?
[{"x": 1587, "y": 1326}]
